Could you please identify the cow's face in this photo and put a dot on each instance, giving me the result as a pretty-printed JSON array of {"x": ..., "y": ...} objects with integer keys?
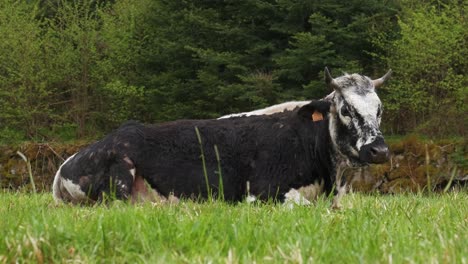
[{"x": 355, "y": 116}]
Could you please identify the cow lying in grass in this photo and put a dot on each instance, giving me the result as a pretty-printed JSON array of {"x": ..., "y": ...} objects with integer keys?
[
  {"x": 313, "y": 190},
  {"x": 264, "y": 156}
]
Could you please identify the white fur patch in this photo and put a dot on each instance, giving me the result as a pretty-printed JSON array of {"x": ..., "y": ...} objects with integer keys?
[
  {"x": 294, "y": 197},
  {"x": 74, "y": 190},
  {"x": 366, "y": 105},
  {"x": 250, "y": 198},
  {"x": 278, "y": 108},
  {"x": 333, "y": 134},
  {"x": 57, "y": 185}
]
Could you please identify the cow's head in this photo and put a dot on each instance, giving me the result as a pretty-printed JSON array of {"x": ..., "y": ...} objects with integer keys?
[
  {"x": 355, "y": 112},
  {"x": 355, "y": 115}
]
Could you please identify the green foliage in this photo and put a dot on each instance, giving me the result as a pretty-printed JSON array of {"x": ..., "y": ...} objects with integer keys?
[
  {"x": 429, "y": 89},
  {"x": 24, "y": 89},
  {"x": 74, "y": 37},
  {"x": 308, "y": 52},
  {"x": 258, "y": 89},
  {"x": 460, "y": 156},
  {"x": 122, "y": 101},
  {"x": 89, "y": 65},
  {"x": 9, "y": 136}
]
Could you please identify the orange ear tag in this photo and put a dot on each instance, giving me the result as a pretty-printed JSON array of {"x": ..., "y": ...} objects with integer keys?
[{"x": 317, "y": 116}]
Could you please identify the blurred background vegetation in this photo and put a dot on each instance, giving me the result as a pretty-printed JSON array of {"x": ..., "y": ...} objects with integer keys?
[{"x": 77, "y": 69}]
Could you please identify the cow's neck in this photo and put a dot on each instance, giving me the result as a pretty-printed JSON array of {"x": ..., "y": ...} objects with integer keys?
[
  {"x": 340, "y": 162},
  {"x": 338, "y": 156}
]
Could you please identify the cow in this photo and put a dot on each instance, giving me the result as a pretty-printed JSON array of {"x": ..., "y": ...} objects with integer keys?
[
  {"x": 313, "y": 190},
  {"x": 263, "y": 156}
]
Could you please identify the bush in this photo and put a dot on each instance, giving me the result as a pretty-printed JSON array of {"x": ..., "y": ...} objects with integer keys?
[{"x": 429, "y": 90}]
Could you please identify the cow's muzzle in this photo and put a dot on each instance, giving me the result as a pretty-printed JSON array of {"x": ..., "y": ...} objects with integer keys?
[{"x": 375, "y": 152}]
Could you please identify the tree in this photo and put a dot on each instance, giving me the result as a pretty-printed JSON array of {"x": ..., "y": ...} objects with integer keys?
[
  {"x": 23, "y": 84},
  {"x": 429, "y": 89}
]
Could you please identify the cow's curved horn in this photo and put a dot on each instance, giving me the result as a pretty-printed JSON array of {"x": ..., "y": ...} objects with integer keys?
[
  {"x": 381, "y": 80},
  {"x": 329, "y": 80}
]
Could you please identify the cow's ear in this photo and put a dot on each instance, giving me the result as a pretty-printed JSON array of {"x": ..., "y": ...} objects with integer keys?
[{"x": 315, "y": 110}]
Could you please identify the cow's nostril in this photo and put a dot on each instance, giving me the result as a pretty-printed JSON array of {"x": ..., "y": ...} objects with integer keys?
[
  {"x": 379, "y": 154},
  {"x": 374, "y": 151}
]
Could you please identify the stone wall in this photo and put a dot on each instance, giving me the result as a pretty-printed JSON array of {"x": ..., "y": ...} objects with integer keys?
[
  {"x": 44, "y": 158},
  {"x": 414, "y": 165}
]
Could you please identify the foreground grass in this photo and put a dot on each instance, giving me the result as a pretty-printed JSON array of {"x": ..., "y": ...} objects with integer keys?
[{"x": 370, "y": 229}]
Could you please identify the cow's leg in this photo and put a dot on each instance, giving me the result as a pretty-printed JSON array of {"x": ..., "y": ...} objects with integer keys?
[
  {"x": 294, "y": 197},
  {"x": 304, "y": 195},
  {"x": 142, "y": 192},
  {"x": 340, "y": 189},
  {"x": 311, "y": 192},
  {"x": 121, "y": 176}
]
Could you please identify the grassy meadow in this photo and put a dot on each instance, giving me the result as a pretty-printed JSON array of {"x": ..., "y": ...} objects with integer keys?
[{"x": 411, "y": 228}]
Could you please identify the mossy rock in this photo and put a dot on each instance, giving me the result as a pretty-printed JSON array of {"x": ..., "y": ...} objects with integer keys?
[
  {"x": 366, "y": 179},
  {"x": 397, "y": 147},
  {"x": 400, "y": 185}
]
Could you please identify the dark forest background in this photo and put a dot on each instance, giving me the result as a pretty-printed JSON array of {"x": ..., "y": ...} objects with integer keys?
[{"x": 77, "y": 69}]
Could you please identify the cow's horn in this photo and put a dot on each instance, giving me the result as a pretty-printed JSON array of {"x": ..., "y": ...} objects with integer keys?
[
  {"x": 329, "y": 80},
  {"x": 381, "y": 80}
]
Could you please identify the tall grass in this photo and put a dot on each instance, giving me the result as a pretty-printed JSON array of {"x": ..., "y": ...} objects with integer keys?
[
  {"x": 202, "y": 157},
  {"x": 220, "y": 175},
  {"x": 28, "y": 164},
  {"x": 424, "y": 228},
  {"x": 205, "y": 172}
]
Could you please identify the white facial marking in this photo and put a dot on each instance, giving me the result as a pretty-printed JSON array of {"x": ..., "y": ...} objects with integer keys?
[
  {"x": 132, "y": 172},
  {"x": 366, "y": 106}
]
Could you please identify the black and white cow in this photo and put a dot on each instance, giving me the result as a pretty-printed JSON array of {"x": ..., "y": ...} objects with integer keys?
[
  {"x": 341, "y": 161},
  {"x": 272, "y": 153}
]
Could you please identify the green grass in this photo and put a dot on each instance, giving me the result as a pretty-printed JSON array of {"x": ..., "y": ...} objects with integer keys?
[{"x": 369, "y": 229}]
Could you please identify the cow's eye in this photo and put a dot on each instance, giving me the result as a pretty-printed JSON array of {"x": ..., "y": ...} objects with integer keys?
[
  {"x": 345, "y": 111},
  {"x": 379, "y": 112}
]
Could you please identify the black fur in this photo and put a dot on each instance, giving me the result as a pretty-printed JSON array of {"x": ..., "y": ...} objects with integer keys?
[
  {"x": 99, "y": 167},
  {"x": 274, "y": 153}
]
